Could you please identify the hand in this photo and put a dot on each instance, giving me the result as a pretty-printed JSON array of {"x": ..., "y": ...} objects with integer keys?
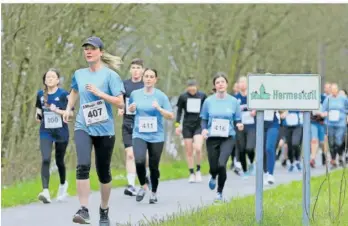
[
  {"x": 205, "y": 133},
  {"x": 91, "y": 88},
  {"x": 53, "y": 107},
  {"x": 283, "y": 115},
  {"x": 178, "y": 131},
  {"x": 253, "y": 113},
  {"x": 323, "y": 114},
  {"x": 240, "y": 126},
  {"x": 120, "y": 112},
  {"x": 66, "y": 115},
  {"x": 155, "y": 105},
  {"x": 132, "y": 107}
]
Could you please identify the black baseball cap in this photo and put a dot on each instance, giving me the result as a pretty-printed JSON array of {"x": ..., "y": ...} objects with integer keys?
[{"x": 94, "y": 41}]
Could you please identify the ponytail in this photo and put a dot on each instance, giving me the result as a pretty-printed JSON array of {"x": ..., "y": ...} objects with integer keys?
[{"x": 113, "y": 62}]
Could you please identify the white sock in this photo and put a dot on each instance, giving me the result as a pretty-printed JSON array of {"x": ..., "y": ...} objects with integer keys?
[
  {"x": 131, "y": 179},
  {"x": 147, "y": 171}
]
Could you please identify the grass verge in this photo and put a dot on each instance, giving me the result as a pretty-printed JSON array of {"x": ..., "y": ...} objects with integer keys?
[
  {"x": 26, "y": 192},
  {"x": 282, "y": 207}
]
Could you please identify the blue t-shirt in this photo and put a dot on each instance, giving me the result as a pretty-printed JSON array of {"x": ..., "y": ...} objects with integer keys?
[
  {"x": 146, "y": 116},
  {"x": 107, "y": 81},
  {"x": 221, "y": 115},
  {"x": 248, "y": 121},
  {"x": 60, "y": 99},
  {"x": 337, "y": 108},
  {"x": 292, "y": 119}
]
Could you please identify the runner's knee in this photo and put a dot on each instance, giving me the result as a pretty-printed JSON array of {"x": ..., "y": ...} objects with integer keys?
[
  {"x": 82, "y": 172},
  {"x": 104, "y": 174}
]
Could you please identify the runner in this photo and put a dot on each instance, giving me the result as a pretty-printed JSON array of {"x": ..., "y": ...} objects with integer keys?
[
  {"x": 293, "y": 133},
  {"x": 134, "y": 83},
  {"x": 282, "y": 148},
  {"x": 317, "y": 134},
  {"x": 150, "y": 105},
  {"x": 271, "y": 131},
  {"x": 335, "y": 109},
  {"x": 99, "y": 87},
  {"x": 220, "y": 112},
  {"x": 191, "y": 102},
  {"x": 327, "y": 92},
  {"x": 235, "y": 164},
  {"x": 246, "y": 138},
  {"x": 50, "y": 105}
]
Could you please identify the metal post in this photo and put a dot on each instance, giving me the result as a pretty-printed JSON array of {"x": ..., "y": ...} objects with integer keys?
[
  {"x": 259, "y": 165},
  {"x": 306, "y": 169}
]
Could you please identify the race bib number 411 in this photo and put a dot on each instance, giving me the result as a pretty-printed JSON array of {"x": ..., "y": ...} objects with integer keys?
[
  {"x": 147, "y": 124},
  {"x": 95, "y": 112}
]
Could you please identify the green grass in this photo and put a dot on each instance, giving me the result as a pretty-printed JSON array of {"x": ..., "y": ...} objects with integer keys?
[
  {"x": 26, "y": 192},
  {"x": 282, "y": 207}
]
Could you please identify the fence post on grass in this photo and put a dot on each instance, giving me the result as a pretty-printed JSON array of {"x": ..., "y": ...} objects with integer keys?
[
  {"x": 306, "y": 168},
  {"x": 259, "y": 165}
]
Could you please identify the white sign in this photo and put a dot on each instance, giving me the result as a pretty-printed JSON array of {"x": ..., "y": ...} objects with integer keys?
[{"x": 284, "y": 92}]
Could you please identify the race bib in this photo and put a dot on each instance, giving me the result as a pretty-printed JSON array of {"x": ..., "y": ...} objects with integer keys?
[
  {"x": 291, "y": 119},
  {"x": 247, "y": 119},
  {"x": 127, "y": 105},
  {"x": 52, "y": 120},
  {"x": 193, "y": 105},
  {"x": 220, "y": 128},
  {"x": 147, "y": 124},
  {"x": 334, "y": 115},
  {"x": 95, "y": 112},
  {"x": 268, "y": 115}
]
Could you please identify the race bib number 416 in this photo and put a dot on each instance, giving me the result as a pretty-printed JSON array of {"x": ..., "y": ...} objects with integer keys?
[
  {"x": 95, "y": 112},
  {"x": 220, "y": 128}
]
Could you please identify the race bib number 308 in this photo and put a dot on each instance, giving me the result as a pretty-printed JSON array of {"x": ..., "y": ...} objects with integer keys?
[
  {"x": 95, "y": 112},
  {"x": 52, "y": 120}
]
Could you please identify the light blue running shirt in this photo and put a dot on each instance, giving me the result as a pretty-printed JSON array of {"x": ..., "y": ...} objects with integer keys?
[
  {"x": 221, "y": 115},
  {"x": 95, "y": 115},
  {"x": 149, "y": 123},
  {"x": 337, "y": 109}
]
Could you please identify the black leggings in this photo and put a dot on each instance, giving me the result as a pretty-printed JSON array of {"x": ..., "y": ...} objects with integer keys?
[
  {"x": 246, "y": 142},
  {"x": 46, "y": 150},
  {"x": 140, "y": 147},
  {"x": 219, "y": 149},
  {"x": 103, "y": 147},
  {"x": 293, "y": 136}
]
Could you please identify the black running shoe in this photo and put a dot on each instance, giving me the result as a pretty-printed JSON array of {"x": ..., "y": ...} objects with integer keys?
[
  {"x": 104, "y": 217},
  {"x": 82, "y": 216}
]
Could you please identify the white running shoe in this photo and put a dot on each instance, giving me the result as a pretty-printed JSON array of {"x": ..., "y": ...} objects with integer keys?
[
  {"x": 192, "y": 178},
  {"x": 198, "y": 176},
  {"x": 270, "y": 179},
  {"x": 44, "y": 196},
  {"x": 62, "y": 191}
]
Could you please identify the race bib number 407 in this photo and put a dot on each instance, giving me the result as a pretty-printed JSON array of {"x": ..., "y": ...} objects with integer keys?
[{"x": 95, "y": 112}]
